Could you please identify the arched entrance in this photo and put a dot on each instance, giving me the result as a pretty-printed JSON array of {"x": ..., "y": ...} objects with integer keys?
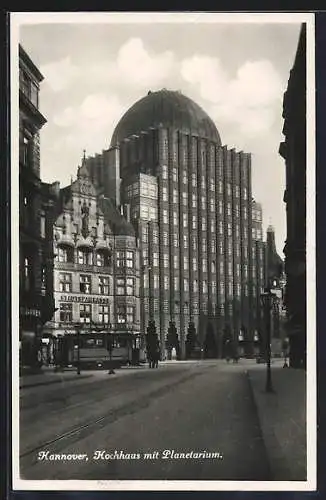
[{"x": 210, "y": 345}]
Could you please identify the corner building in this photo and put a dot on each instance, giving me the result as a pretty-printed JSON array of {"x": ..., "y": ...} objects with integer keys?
[{"x": 190, "y": 201}]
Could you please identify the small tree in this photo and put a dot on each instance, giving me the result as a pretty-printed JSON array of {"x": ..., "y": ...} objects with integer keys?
[
  {"x": 172, "y": 340},
  {"x": 152, "y": 343},
  {"x": 191, "y": 340}
]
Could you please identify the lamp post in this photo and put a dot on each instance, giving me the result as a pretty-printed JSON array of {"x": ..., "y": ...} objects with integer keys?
[
  {"x": 267, "y": 299},
  {"x": 109, "y": 345}
]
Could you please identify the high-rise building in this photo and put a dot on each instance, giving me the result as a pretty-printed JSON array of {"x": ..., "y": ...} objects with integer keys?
[
  {"x": 36, "y": 202},
  {"x": 293, "y": 150},
  {"x": 190, "y": 201}
]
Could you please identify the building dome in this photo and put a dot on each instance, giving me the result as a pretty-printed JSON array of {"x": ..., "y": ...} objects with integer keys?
[{"x": 166, "y": 108}]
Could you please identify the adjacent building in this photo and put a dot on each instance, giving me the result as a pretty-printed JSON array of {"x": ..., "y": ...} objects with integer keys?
[
  {"x": 190, "y": 201},
  {"x": 36, "y": 202},
  {"x": 293, "y": 150},
  {"x": 96, "y": 270}
]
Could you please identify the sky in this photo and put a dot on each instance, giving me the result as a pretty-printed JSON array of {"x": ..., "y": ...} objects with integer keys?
[{"x": 237, "y": 72}]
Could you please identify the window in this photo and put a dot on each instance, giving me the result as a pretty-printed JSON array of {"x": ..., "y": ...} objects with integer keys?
[
  {"x": 245, "y": 213},
  {"x": 155, "y": 237},
  {"x": 194, "y": 222},
  {"x": 164, "y": 172},
  {"x": 203, "y": 202},
  {"x": 166, "y": 282},
  {"x": 65, "y": 312},
  {"x": 221, "y": 267},
  {"x": 155, "y": 259},
  {"x": 203, "y": 184},
  {"x": 174, "y": 174},
  {"x": 220, "y": 207},
  {"x": 230, "y": 270},
  {"x": 146, "y": 281},
  {"x": 120, "y": 286},
  {"x": 237, "y": 191},
  {"x": 176, "y": 262},
  {"x": 165, "y": 260},
  {"x": 185, "y": 241},
  {"x": 245, "y": 193},
  {"x": 145, "y": 257},
  {"x": 120, "y": 259},
  {"x": 85, "y": 313},
  {"x": 195, "y": 286},
  {"x": 193, "y": 180},
  {"x": 220, "y": 227},
  {"x": 222, "y": 288},
  {"x": 194, "y": 243},
  {"x": 213, "y": 266},
  {"x": 238, "y": 289},
  {"x": 165, "y": 217},
  {"x": 220, "y": 187},
  {"x": 185, "y": 263},
  {"x": 175, "y": 218},
  {"x": 130, "y": 286},
  {"x": 212, "y": 205},
  {"x": 65, "y": 282},
  {"x": 42, "y": 225},
  {"x": 237, "y": 211},
  {"x": 203, "y": 245},
  {"x": 103, "y": 285},
  {"x": 100, "y": 261},
  {"x": 175, "y": 196},
  {"x": 84, "y": 257},
  {"x": 103, "y": 314},
  {"x": 62, "y": 254},
  {"x": 185, "y": 220},
  {"x": 85, "y": 283},
  {"x": 156, "y": 281},
  {"x": 145, "y": 233},
  {"x": 237, "y": 231},
  {"x": 194, "y": 200},
  {"x": 130, "y": 259},
  {"x": 121, "y": 314},
  {"x": 203, "y": 224},
  {"x": 194, "y": 264},
  {"x": 230, "y": 288},
  {"x": 176, "y": 283},
  {"x": 175, "y": 240},
  {"x": 130, "y": 314},
  {"x": 228, "y": 189},
  {"x": 212, "y": 226},
  {"x": 229, "y": 209},
  {"x": 165, "y": 238},
  {"x": 212, "y": 185},
  {"x": 165, "y": 194},
  {"x": 229, "y": 227},
  {"x": 204, "y": 265},
  {"x": 186, "y": 285},
  {"x": 238, "y": 270},
  {"x": 184, "y": 177},
  {"x": 245, "y": 271},
  {"x": 185, "y": 199},
  {"x": 205, "y": 289}
]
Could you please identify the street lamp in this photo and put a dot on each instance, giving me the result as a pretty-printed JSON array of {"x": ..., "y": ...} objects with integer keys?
[
  {"x": 267, "y": 300},
  {"x": 78, "y": 327}
]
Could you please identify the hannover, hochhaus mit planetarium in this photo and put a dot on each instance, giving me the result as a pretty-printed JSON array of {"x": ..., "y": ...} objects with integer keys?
[{"x": 198, "y": 228}]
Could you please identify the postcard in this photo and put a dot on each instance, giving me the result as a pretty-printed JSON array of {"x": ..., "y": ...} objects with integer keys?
[{"x": 163, "y": 251}]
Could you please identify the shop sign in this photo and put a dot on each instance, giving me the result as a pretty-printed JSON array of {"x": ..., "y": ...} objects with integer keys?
[{"x": 84, "y": 298}]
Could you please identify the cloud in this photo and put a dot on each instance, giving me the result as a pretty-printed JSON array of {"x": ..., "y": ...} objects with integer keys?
[
  {"x": 141, "y": 68},
  {"x": 250, "y": 100},
  {"x": 60, "y": 74}
]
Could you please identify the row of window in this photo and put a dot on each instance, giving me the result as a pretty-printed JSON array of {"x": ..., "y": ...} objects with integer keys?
[
  {"x": 230, "y": 248},
  {"x": 124, "y": 286},
  {"x": 125, "y": 314},
  {"x": 203, "y": 181},
  {"x": 100, "y": 258}
]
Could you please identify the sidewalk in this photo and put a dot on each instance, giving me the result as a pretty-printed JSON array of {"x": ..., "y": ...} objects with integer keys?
[
  {"x": 282, "y": 416},
  {"x": 49, "y": 376}
]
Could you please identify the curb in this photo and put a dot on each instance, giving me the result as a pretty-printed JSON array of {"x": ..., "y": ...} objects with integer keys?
[
  {"x": 254, "y": 403},
  {"x": 49, "y": 382}
]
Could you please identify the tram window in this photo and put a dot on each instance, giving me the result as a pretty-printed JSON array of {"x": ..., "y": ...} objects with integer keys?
[
  {"x": 90, "y": 342},
  {"x": 99, "y": 342}
]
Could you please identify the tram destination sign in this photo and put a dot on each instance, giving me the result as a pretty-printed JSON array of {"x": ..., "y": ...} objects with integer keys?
[{"x": 84, "y": 298}]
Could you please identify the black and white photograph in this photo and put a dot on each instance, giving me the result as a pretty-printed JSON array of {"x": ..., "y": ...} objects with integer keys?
[{"x": 163, "y": 251}]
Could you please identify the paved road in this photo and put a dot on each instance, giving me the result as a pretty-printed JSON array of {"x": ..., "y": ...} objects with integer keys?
[{"x": 204, "y": 409}]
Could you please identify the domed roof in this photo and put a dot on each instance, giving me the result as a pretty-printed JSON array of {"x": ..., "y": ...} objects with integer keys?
[{"x": 166, "y": 108}]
